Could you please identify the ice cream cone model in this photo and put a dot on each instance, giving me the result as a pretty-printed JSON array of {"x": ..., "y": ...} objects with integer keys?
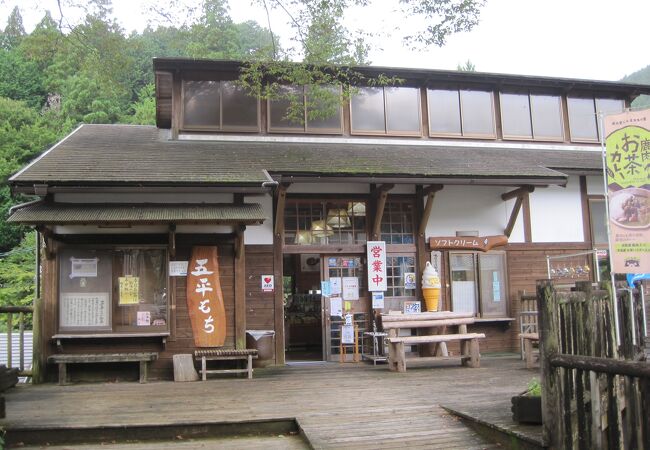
[{"x": 430, "y": 287}]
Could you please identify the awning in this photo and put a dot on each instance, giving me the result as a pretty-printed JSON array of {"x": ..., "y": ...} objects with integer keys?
[{"x": 107, "y": 213}]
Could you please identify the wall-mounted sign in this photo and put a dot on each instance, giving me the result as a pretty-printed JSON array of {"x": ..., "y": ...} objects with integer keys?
[
  {"x": 205, "y": 299},
  {"x": 178, "y": 268},
  {"x": 377, "y": 300},
  {"x": 83, "y": 267},
  {"x": 85, "y": 310},
  {"x": 412, "y": 307},
  {"x": 144, "y": 318},
  {"x": 376, "y": 266},
  {"x": 335, "y": 286},
  {"x": 409, "y": 280},
  {"x": 336, "y": 307},
  {"x": 480, "y": 243},
  {"x": 268, "y": 283},
  {"x": 628, "y": 190}
]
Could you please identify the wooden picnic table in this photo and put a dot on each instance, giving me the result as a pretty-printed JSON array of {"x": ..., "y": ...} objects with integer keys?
[{"x": 436, "y": 328}]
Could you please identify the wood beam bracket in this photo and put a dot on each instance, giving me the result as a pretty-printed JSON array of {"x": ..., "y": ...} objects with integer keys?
[
  {"x": 380, "y": 194},
  {"x": 281, "y": 194},
  {"x": 430, "y": 194},
  {"x": 239, "y": 240},
  {"x": 521, "y": 195}
]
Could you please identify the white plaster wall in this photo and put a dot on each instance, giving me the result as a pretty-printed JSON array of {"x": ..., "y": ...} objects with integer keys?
[
  {"x": 556, "y": 213},
  {"x": 143, "y": 198},
  {"x": 329, "y": 188},
  {"x": 402, "y": 189},
  {"x": 595, "y": 185},
  {"x": 260, "y": 234},
  {"x": 469, "y": 208}
]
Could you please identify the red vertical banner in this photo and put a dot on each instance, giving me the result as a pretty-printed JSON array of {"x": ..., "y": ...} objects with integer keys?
[
  {"x": 628, "y": 190},
  {"x": 376, "y": 266},
  {"x": 205, "y": 298}
]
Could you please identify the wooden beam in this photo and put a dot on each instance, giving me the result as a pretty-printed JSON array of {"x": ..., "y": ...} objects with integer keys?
[
  {"x": 172, "y": 241},
  {"x": 513, "y": 216},
  {"x": 240, "y": 288},
  {"x": 424, "y": 221},
  {"x": 517, "y": 192},
  {"x": 279, "y": 208},
  {"x": 432, "y": 189},
  {"x": 528, "y": 227},
  {"x": 381, "y": 194}
]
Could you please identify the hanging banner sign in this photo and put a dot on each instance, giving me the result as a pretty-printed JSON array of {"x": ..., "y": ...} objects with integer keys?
[
  {"x": 205, "y": 299},
  {"x": 376, "y": 266},
  {"x": 627, "y": 164},
  {"x": 479, "y": 243}
]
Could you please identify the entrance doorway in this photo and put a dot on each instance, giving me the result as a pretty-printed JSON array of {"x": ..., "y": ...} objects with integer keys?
[{"x": 303, "y": 308}]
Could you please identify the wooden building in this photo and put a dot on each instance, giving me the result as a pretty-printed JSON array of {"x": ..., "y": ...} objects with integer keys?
[{"x": 432, "y": 168}]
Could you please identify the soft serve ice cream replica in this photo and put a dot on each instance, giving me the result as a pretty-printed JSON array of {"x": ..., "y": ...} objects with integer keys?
[{"x": 431, "y": 287}]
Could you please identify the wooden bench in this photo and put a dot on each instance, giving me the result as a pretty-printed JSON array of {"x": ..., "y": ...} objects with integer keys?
[
  {"x": 64, "y": 359},
  {"x": 431, "y": 322},
  {"x": 225, "y": 355},
  {"x": 528, "y": 340}
]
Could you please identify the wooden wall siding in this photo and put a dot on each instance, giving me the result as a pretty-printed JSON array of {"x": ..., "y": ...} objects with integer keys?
[
  {"x": 260, "y": 307},
  {"x": 183, "y": 342}
]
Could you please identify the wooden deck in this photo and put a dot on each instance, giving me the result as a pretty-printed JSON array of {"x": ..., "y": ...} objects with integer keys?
[{"x": 335, "y": 405}]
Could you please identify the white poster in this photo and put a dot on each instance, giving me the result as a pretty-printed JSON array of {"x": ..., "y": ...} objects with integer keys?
[
  {"x": 144, "y": 318},
  {"x": 376, "y": 266},
  {"x": 83, "y": 267},
  {"x": 268, "y": 283},
  {"x": 178, "y": 268},
  {"x": 84, "y": 310},
  {"x": 412, "y": 307},
  {"x": 377, "y": 300},
  {"x": 336, "y": 307},
  {"x": 335, "y": 286},
  {"x": 347, "y": 334},
  {"x": 350, "y": 288},
  {"x": 409, "y": 280}
]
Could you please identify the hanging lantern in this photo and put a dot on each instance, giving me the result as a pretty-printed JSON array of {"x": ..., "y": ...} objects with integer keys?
[
  {"x": 303, "y": 237},
  {"x": 338, "y": 218},
  {"x": 357, "y": 209},
  {"x": 320, "y": 229}
]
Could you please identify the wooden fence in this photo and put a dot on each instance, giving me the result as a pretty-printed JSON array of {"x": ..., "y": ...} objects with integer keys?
[
  {"x": 595, "y": 389},
  {"x": 15, "y": 339}
]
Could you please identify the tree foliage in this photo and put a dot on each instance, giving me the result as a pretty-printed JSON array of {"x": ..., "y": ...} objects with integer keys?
[{"x": 17, "y": 271}]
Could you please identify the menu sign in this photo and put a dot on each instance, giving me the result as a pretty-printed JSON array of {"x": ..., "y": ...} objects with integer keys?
[
  {"x": 482, "y": 244},
  {"x": 205, "y": 299},
  {"x": 628, "y": 190},
  {"x": 376, "y": 266}
]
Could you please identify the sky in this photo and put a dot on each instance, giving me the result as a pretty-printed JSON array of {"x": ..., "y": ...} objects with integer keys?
[{"x": 587, "y": 39}]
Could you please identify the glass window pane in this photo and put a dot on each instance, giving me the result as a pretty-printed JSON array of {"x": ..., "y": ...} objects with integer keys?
[
  {"x": 201, "y": 104},
  {"x": 609, "y": 106},
  {"x": 598, "y": 225},
  {"x": 327, "y": 98},
  {"x": 547, "y": 116},
  {"x": 279, "y": 109},
  {"x": 493, "y": 286},
  {"x": 477, "y": 113},
  {"x": 368, "y": 110},
  {"x": 239, "y": 109},
  {"x": 515, "y": 115},
  {"x": 463, "y": 282},
  {"x": 402, "y": 109},
  {"x": 582, "y": 119},
  {"x": 444, "y": 111}
]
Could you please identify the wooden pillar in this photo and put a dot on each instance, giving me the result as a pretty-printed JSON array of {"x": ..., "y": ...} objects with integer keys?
[
  {"x": 240, "y": 288},
  {"x": 381, "y": 195},
  {"x": 278, "y": 271},
  {"x": 521, "y": 194}
]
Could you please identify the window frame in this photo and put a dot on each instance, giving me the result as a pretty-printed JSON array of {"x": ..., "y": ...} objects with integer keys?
[
  {"x": 220, "y": 128},
  {"x": 531, "y": 114},
  {"x": 459, "y": 90},
  {"x": 385, "y": 132},
  {"x": 594, "y": 101},
  {"x": 114, "y": 287},
  {"x": 477, "y": 287},
  {"x": 415, "y": 270},
  {"x": 304, "y": 129}
]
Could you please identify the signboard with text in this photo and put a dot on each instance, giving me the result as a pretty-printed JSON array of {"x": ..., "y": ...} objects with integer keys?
[{"x": 376, "y": 266}]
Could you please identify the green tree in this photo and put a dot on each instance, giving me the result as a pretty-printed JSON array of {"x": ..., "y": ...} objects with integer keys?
[
  {"x": 14, "y": 32},
  {"x": 17, "y": 272},
  {"x": 21, "y": 79},
  {"x": 468, "y": 66},
  {"x": 144, "y": 110}
]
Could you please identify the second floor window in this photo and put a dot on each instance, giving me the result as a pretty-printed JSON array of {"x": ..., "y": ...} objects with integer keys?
[
  {"x": 386, "y": 110},
  {"x": 584, "y": 123},
  {"x": 454, "y": 112},
  {"x": 292, "y": 112},
  {"x": 218, "y": 105},
  {"x": 531, "y": 116}
]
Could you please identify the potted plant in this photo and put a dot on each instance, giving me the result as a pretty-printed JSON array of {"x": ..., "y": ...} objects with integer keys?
[{"x": 527, "y": 406}]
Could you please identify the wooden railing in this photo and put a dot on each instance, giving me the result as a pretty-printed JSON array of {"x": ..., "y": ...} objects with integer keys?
[
  {"x": 20, "y": 313},
  {"x": 595, "y": 384}
]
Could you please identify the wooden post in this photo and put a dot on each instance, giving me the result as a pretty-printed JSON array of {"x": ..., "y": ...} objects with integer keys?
[
  {"x": 10, "y": 325},
  {"x": 548, "y": 346},
  {"x": 240, "y": 288}
]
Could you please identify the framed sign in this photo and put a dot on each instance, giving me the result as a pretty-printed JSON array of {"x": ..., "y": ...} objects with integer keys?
[
  {"x": 412, "y": 307},
  {"x": 85, "y": 310}
]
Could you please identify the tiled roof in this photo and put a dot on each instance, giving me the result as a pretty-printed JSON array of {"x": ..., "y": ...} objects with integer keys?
[
  {"x": 81, "y": 213},
  {"x": 126, "y": 154}
]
